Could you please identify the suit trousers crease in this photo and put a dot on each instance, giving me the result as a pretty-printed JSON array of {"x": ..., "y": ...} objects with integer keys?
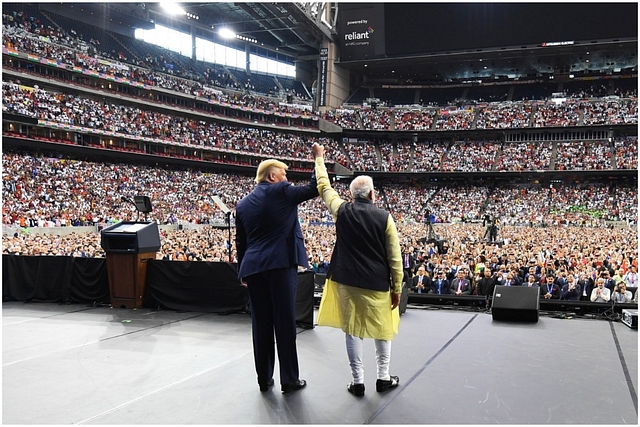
[{"x": 272, "y": 295}]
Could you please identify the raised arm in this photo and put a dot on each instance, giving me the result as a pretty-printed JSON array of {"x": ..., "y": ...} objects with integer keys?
[{"x": 330, "y": 196}]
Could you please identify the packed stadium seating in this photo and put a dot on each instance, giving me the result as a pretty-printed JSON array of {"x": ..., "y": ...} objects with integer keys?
[{"x": 35, "y": 193}]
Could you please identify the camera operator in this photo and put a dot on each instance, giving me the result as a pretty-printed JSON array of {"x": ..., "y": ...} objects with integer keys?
[
  {"x": 621, "y": 294},
  {"x": 440, "y": 284}
]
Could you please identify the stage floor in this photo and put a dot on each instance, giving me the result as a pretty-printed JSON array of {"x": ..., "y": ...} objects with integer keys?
[{"x": 75, "y": 364}]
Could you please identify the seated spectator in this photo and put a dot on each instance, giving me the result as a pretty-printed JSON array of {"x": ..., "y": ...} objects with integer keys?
[
  {"x": 421, "y": 282},
  {"x": 621, "y": 294},
  {"x": 460, "y": 285},
  {"x": 549, "y": 290},
  {"x": 531, "y": 281},
  {"x": 600, "y": 293},
  {"x": 440, "y": 284},
  {"x": 570, "y": 290}
]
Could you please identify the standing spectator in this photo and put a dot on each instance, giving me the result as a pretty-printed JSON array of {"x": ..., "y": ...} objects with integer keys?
[
  {"x": 364, "y": 281},
  {"x": 617, "y": 277},
  {"x": 408, "y": 263},
  {"x": 587, "y": 284},
  {"x": 270, "y": 248},
  {"x": 609, "y": 283},
  {"x": 631, "y": 278},
  {"x": 531, "y": 281}
]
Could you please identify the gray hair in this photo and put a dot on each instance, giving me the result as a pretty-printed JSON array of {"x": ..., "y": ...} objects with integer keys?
[{"x": 361, "y": 187}]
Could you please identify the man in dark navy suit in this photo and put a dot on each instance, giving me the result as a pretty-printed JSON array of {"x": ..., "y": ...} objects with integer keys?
[
  {"x": 439, "y": 284},
  {"x": 270, "y": 248}
]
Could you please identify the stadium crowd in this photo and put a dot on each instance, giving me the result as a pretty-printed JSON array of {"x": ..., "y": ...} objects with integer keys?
[
  {"x": 461, "y": 156},
  {"x": 27, "y": 34},
  {"x": 552, "y": 251},
  {"x": 414, "y": 120},
  {"x": 555, "y": 228},
  {"x": 30, "y": 36},
  {"x": 504, "y": 116},
  {"x": 626, "y": 150},
  {"x": 50, "y": 190},
  {"x": 497, "y": 115},
  {"x": 580, "y": 155},
  {"x": 470, "y": 156},
  {"x": 524, "y": 157},
  {"x": 133, "y": 120}
]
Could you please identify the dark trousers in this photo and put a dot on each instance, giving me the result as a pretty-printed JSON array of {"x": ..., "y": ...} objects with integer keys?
[{"x": 273, "y": 297}]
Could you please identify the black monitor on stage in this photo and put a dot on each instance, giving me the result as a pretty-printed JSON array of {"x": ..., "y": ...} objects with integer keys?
[{"x": 143, "y": 204}]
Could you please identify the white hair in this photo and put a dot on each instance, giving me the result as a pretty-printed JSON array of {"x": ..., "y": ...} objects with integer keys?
[{"x": 361, "y": 187}]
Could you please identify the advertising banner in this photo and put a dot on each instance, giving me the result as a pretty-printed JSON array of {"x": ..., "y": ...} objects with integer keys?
[{"x": 361, "y": 31}]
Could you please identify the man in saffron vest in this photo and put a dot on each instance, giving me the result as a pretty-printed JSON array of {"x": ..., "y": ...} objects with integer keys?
[{"x": 364, "y": 281}]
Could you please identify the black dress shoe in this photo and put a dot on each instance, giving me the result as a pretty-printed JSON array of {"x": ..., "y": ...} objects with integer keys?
[
  {"x": 384, "y": 385},
  {"x": 356, "y": 389},
  {"x": 265, "y": 387},
  {"x": 288, "y": 388}
]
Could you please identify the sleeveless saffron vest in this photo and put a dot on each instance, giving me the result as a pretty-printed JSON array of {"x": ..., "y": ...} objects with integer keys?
[{"x": 359, "y": 257}]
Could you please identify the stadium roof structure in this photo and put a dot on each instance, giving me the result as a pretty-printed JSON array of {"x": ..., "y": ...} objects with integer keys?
[
  {"x": 288, "y": 28},
  {"x": 503, "y": 62},
  {"x": 297, "y": 29}
]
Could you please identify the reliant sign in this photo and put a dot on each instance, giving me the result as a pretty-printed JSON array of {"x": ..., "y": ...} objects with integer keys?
[{"x": 361, "y": 31}]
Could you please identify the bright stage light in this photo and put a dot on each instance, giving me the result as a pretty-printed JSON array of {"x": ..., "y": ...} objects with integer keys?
[
  {"x": 226, "y": 33},
  {"x": 172, "y": 8}
]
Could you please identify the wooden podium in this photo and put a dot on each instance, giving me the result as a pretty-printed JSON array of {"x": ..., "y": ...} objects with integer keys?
[{"x": 129, "y": 245}]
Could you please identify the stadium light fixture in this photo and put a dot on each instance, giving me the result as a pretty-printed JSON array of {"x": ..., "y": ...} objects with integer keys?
[
  {"x": 172, "y": 8},
  {"x": 226, "y": 33}
]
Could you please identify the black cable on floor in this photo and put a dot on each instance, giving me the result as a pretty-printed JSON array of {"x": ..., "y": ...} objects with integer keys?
[
  {"x": 410, "y": 380},
  {"x": 632, "y": 390}
]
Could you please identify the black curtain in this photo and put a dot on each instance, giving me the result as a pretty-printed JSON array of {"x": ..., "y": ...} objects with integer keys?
[
  {"x": 194, "y": 286},
  {"x": 37, "y": 278},
  {"x": 89, "y": 281},
  {"x": 176, "y": 285}
]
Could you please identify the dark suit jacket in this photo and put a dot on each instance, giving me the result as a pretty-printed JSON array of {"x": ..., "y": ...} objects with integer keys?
[
  {"x": 610, "y": 284},
  {"x": 553, "y": 289},
  {"x": 464, "y": 288},
  {"x": 268, "y": 234},
  {"x": 426, "y": 282},
  {"x": 444, "y": 286},
  {"x": 486, "y": 286},
  {"x": 503, "y": 282},
  {"x": 588, "y": 285},
  {"x": 412, "y": 261},
  {"x": 573, "y": 295}
]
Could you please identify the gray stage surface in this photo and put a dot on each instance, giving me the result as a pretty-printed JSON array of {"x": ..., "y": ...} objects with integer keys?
[{"x": 73, "y": 364}]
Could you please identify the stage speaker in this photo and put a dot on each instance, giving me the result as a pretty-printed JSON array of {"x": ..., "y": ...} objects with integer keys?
[
  {"x": 404, "y": 299},
  {"x": 516, "y": 303}
]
